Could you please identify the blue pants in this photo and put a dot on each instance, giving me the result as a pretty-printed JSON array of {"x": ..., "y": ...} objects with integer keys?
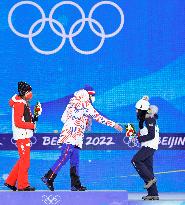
[
  {"x": 68, "y": 151},
  {"x": 143, "y": 163}
]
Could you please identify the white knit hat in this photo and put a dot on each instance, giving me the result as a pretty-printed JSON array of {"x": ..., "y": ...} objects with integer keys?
[{"x": 142, "y": 105}]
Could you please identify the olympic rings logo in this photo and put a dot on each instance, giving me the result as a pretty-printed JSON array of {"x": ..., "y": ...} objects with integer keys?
[
  {"x": 33, "y": 140},
  {"x": 63, "y": 34},
  {"x": 131, "y": 141}
]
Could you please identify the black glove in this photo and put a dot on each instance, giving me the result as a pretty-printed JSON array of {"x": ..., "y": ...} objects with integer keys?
[{"x": 35, "y": 119}]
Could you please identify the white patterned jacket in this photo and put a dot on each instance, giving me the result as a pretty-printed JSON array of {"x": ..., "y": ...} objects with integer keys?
[{"x": 75, "y": 119}]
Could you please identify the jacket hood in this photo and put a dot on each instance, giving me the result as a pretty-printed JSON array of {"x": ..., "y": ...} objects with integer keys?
[
  {"x": 82, "y": 95},
  {"x": 16, "y": 99}
]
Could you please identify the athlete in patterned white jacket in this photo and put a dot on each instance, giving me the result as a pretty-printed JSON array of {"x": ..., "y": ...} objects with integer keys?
[{"x": 75, "y": 119}]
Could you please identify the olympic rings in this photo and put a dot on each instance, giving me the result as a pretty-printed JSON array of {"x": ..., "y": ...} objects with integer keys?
[{"x": 63, "y": 34}]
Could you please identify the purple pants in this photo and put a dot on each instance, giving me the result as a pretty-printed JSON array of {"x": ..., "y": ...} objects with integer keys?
[{"x": 68, "y": 151}]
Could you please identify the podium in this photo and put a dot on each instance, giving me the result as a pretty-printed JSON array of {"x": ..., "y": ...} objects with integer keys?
[{"x": 102, "y": 197}]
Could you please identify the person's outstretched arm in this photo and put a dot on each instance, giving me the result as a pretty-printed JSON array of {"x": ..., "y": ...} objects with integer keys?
[{"x": 89, "y": 110}]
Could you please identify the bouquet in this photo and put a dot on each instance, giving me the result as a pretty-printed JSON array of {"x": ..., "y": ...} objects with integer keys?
[
  {"x": 130, "y": 130},
  {"x": 37, "y": 111},
  {"x": 131, "y": 137}
]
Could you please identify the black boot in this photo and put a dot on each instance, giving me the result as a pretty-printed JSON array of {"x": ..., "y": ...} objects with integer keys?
[
  {"x": 150, "y": 197},
  {"x": 48, "y": 179},
  {"x": 75, "y": 181},
  {"x": 13, "y": 188},
  {"x": 28, "y": 188}
]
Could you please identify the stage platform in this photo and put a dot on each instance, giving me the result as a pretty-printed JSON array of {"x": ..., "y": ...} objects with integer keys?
[
  {"x": 167, "y": 198},
  {"x": 171, "y": 196},
  {"x": 64, "y": 198},
  {"x": 103, "y": 197}
]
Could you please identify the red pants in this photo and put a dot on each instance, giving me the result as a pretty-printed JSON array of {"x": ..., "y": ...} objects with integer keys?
[{"x": 19, "y": 172}]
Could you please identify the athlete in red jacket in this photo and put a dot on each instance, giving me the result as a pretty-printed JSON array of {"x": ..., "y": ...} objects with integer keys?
[{"x": 22, "y": 126}]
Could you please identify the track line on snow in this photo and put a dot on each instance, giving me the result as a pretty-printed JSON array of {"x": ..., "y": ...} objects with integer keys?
[{"x": 156, "y": 173}]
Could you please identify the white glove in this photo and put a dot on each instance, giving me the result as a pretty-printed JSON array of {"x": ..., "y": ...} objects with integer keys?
[{"x": 143, "y": 131}]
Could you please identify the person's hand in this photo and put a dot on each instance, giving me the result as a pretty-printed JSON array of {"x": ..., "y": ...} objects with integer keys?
[
  {"x": 34, "y": 127},
  {"x": 143, "y": 131},
  {"x": 35, "y": 119},
  {"x": 118, "y": 127}
]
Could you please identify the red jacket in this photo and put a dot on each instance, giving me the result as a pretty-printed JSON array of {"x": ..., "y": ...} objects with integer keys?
[{"x": 22, "y": 124}]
